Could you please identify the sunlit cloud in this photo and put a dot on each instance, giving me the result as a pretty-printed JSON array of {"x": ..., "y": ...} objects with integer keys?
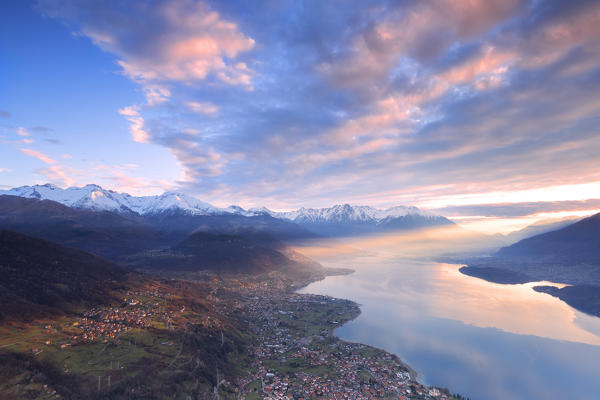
[
  {"x": 138, "y": 134},
  {"x": 581, "y": 191},
  {"x": 57, "y": 174},
  {"x": 39, "y": 155},
  {"x": 202, "y": 107},
  {"x": 473, "y": 108},
  {"x": 187, "y": 41},
  {"x": 22, "y": 132}
]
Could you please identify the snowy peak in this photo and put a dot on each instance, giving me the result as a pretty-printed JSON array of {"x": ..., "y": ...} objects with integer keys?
[
  {"x": 349, "y": 220},
  {"x": 350, "y": 213},
  {"x": 94, "y": 197},
  {"x": 89, "y": 197},
  {"x": 173, "y": 201},
  {"x": 341, "y": 219}
]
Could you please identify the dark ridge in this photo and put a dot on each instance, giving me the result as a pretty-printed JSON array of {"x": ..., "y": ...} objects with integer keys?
[
  {"x": 497, "y": 275},
  {"x": 178, "y": 225},
  {"x": 584, "y": 298},
  {"x": 579, "y": 242},
  {"x": 103, "y": 233},
  {"x": 222, "y": 253},
  {"x": 39, "y": 278}
]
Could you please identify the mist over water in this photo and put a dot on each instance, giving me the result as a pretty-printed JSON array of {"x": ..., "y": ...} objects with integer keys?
[{"x": 483, "y": 340}]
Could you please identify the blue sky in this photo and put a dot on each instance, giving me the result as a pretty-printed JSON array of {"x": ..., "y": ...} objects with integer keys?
[{"x": 487, "y": 111}]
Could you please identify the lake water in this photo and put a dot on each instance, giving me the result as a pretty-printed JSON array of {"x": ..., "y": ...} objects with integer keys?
[{"x": 480, "y": 339}]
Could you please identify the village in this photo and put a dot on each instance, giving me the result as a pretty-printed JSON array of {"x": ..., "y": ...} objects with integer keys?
[
  {"x": 293, "y": 354},
  {"x": 138, "y": 310},
  {"x": 297, "y": 356}
]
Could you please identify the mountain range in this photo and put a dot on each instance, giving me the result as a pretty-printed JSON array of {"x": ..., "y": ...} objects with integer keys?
[
  {"x": 339, "y": 220},
  {"x": 569, "y": 255},
  {"x": 348, "y": 220},
  {"x": 575, "y": 243},
  {"x": 538, "y": 228},
  {"x": 95, "y": 198}
]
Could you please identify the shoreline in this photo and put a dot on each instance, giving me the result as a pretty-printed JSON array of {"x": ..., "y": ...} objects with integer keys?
[
  {"x": 347, "y": 271},
  {"x": 412, "y": 373}
]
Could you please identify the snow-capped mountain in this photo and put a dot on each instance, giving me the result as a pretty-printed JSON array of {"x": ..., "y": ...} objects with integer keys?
[
  {"x": 347, "y": 212},
  {"x": 94, "y": 197},
  {"x": 346, "y": 219},
  {"x": 339, "y": 220}
]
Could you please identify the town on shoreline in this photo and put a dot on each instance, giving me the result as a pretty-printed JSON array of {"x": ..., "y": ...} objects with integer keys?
[{"x": 246, "y": 337}]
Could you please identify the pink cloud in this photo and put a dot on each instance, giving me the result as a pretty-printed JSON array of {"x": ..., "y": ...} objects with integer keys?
[
  {"x": 136, "y": 122},
  {"x": 202, "y": 107},
  {"x": 552, "y": 41},
  {"x": 490, "y": 63},
  {"x": 407, "y": 32},
  {"x": 22, "y": 132},
  {"x": 40, "y": 156},
  {"x": 57, "y": 173},
  {"x": 193, "y": 44}
]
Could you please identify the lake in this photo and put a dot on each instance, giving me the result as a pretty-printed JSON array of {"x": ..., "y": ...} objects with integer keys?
[{"x": 479, "y": 339}]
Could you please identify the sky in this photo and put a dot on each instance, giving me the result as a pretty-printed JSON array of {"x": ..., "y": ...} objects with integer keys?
[{"x": 486, "y": 111}]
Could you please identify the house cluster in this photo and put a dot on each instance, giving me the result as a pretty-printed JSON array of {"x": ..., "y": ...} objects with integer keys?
[
  {"x": 137, "y": 311},
  {"x": 290, "y": 364}
]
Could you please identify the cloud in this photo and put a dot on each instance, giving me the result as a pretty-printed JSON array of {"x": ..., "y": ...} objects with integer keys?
[
  {"x": 3, "y": 170},
  {"x": 41, "y": 129},
  {"x": 57, "y": 174},
  {"x": 40, "y": 156},
  {"x": 156, "y": 94},
  {"x": 520, "y": 209},
  {"x": 204, "y": 107},
  {"x": 52, "y": 141},
  {"x": 374, "y": 102},
  {"x": 197, "y": 161},
  {"x": 136, "y": 124},
  {"x": 119, "y": 178},
  {"x": 421, "y": 31},
  {"x": 184, "y": 41},
  {"x": 22, "y": 132},
  {"x": 5, "y": 114}
]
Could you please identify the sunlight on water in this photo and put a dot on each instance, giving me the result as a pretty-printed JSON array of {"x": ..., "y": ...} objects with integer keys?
[
  {"x": 512, "y": 308},
  {"x": 485, "y": 340}
]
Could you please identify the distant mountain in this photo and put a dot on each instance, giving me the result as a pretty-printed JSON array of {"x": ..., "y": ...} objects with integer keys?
[
  {"x": 94, "y": 197},
  {"x": 539, "y": 228},
  {"x": 349, "y": 220},
  {"x": 578, "y": 242},
  {"x": 568, "y": 255},
  {"x": 178, "y": 224},
  {"x": 39, "y": 278},
  {"x": 103, "y": 233},
  {"x": 114, "y": 235},
  {"x": 244, "y": 253},
  {"x": 179, "y": 214}
]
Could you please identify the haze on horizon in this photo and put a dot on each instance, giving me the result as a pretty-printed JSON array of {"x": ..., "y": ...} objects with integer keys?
[{"x": 484, "y": 111}]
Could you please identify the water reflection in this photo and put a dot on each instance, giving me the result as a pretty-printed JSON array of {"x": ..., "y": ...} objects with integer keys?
[{"x": 485, "y": 340}]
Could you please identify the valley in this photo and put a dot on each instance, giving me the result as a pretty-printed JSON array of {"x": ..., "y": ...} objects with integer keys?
[{"x": 216, "y": 299}]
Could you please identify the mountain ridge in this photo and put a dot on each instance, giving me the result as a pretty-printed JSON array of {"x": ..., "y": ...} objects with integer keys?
[
  {"x": 94, "y": 197},
  {"x": 163, "y": 210}
]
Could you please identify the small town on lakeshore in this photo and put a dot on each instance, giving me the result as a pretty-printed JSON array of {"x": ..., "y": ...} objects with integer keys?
[{"x": 292, "y": 352}]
